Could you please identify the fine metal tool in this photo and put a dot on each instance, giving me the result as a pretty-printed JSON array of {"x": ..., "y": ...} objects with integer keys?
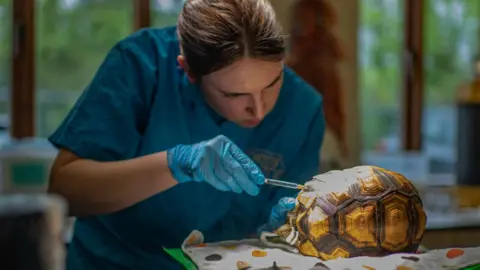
[{"x": 284, "y": 184}]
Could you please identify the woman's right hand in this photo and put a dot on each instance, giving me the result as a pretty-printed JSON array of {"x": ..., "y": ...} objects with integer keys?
[{"x": 218, "y": 162}]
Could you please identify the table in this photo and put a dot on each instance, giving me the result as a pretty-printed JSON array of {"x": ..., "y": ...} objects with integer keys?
[{"x": 453, "y": 216}]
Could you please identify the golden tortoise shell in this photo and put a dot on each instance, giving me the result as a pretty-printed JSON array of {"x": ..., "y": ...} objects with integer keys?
[{"x": 362, "y": 211}]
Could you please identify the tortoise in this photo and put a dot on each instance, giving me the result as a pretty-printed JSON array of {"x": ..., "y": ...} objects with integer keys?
[{"x": 360, "y": 211}]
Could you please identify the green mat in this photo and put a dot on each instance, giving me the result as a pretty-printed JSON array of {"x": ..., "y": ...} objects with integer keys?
[
  {"x": 473, "y": 267},
  {"x": 179, "y": 256}
]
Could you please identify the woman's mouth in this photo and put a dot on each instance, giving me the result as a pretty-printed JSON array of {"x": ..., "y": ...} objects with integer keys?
[{"x": 251, "y": 123}]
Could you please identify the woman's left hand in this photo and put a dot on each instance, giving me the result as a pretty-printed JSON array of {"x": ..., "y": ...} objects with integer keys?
[{"x": 278, "y": 215}]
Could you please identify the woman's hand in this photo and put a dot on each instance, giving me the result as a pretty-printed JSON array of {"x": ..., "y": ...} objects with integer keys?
[
  {"x": 278, "y": 215},
  {"x": 218, "y": 162}
]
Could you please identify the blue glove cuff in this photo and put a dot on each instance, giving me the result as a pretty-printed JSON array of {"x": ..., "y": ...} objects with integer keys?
[{"x": 175, "y": 168}]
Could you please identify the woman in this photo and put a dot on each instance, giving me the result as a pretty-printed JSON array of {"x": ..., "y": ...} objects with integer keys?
[{"x": 151, "y": 151}]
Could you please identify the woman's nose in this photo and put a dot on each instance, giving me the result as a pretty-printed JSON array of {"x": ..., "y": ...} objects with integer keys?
[{"x": 258, "y": 107}]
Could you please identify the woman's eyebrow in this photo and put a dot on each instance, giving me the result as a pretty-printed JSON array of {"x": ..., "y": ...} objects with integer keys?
[{"x": 275, "y": 80}]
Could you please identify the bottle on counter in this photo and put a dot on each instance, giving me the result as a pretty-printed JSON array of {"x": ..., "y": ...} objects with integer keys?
[
  {"x": 468, "y": 136},
  {"x": 31, "y": 232}
]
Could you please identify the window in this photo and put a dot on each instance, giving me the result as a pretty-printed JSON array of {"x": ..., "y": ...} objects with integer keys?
[
  {"x": 73, "y": 38},
  {"x": 381, "y": 50},
  {"x": 5, "y": 64},
  {"x": 450, "y": 45},
  {"x": 165, "y": 12},
  {"x": 380, "y": 62}
]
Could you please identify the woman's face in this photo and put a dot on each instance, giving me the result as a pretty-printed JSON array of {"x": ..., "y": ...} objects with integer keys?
[{"x": 244, "y": 92}]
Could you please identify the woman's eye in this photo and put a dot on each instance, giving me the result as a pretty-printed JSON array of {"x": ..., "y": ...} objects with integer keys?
[{"x": 233, "y": 95}]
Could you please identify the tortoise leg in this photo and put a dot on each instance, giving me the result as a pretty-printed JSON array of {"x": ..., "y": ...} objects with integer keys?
[
  {"x": 284, "y": 237},
  {"x": 288, "y": 233}
]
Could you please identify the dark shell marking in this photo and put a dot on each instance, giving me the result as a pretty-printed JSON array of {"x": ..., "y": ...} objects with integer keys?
[
  {"x": 213, "y": 257},
  {"x": 411, "y": 258},
  {"x": 320, "y": 266}
]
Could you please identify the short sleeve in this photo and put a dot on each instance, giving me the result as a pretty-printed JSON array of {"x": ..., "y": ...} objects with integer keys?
[{"x": 107, "y": 121}]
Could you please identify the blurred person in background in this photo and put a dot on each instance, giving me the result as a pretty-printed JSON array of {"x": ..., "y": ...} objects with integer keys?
[{"x": 316, "y": 53}]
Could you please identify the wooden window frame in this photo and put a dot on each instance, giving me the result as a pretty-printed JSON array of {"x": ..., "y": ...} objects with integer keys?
[
  {"x": 142, "y": 17},
  {"x": 412, "y": 105},
  {"x": 22, "y": 93},
  {"x": 23, "y": 68}
]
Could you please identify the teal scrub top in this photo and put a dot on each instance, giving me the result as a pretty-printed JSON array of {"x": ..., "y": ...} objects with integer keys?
[{"x": 140, "y": 102}]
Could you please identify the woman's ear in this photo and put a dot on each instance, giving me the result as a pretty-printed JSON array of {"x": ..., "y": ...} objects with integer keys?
[{"x": 183, "y": 65}]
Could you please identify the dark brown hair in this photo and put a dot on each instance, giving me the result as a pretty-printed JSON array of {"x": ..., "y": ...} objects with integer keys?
[{"x": 215, "y": 33}]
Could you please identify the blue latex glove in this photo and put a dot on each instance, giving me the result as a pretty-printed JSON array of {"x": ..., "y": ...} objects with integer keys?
[
  {"x": 278, "y": 215},
  {"x": 218, "y": 162}
]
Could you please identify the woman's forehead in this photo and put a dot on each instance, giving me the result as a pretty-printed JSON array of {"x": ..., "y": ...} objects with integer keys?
[{"x": 246, "y": 76}]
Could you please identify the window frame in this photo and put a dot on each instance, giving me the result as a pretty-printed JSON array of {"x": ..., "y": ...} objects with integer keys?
[{"x": 413, "y": 86}]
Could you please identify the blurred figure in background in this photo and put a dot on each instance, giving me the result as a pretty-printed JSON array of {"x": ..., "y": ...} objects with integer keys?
[{"x": 315, "y": 54}]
